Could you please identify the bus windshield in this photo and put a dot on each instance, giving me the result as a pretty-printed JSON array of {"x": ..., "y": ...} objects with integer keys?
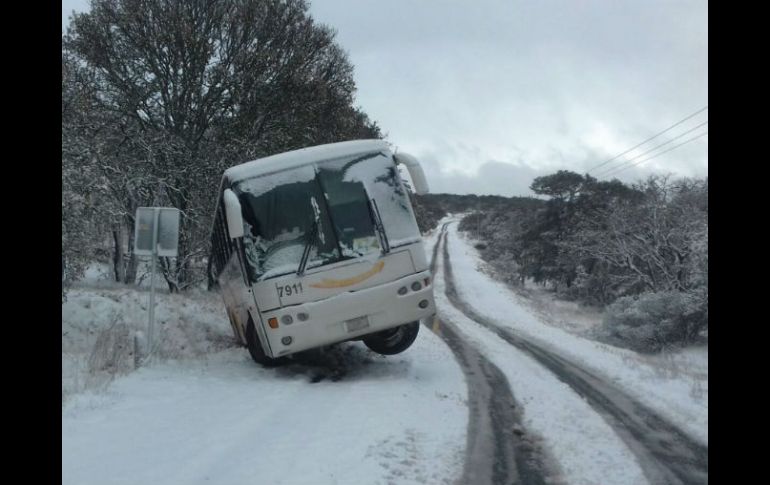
[{"x": 324, "y": 207}]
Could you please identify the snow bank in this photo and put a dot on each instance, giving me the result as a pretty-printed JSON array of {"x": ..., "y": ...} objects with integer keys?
[{"x": 98, "y": 325}]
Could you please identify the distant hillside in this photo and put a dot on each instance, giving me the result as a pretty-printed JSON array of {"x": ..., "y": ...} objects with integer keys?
[{"x": 430, "y": 208}]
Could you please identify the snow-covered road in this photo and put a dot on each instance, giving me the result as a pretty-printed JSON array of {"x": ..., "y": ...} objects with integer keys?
[{"x": 663, "y": 453}]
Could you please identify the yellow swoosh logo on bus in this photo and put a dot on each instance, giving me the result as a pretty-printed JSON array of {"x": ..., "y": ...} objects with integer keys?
[{"x": 327, "y": 283}]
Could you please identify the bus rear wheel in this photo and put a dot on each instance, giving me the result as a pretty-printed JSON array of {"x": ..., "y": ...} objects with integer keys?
[
  {"x": 393, "y": 340},
  {"x": 255, "y": 348}
]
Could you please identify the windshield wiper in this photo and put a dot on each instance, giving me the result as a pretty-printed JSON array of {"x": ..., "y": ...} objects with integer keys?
[
  {"x": 377, "y": 222},
  {"x": 308, "y": 246},
  {"x": 311, "y": 237}
]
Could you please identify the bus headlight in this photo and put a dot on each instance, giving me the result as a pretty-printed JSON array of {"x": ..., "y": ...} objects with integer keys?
[
  {"x": 416, "y": 286},
  {"x": 287, "y": 320},
  {"x": 423, "y": 304},
  {"x": 286, "y": 340},
  {"x": 301, "y": 316},
  {"x": 402, "y": 290}
]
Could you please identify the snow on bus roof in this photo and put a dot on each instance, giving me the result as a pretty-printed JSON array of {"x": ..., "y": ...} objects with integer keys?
[{"x": 303, "y": 156}]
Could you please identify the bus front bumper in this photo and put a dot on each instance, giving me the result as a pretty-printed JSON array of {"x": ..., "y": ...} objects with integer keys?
[{"x": 350, "y": 315}]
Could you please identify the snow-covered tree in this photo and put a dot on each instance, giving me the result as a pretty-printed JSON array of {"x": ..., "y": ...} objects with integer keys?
[{"x": 654, "y": 241}]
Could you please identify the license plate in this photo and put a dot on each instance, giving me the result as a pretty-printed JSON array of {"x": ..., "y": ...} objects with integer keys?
[{"x": 357, "y": 324}]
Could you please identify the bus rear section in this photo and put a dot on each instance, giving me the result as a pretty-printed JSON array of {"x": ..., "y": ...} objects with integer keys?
[{"x": 323, "y": 248}]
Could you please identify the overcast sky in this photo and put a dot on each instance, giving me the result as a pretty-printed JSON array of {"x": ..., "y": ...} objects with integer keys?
[{"x": 489, "y": 94}]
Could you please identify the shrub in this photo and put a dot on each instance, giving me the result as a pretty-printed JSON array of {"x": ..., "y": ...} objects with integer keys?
[{"x": 651, "y": 322}]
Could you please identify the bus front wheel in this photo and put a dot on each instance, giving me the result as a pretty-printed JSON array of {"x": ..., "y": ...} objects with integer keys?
[
  {"x": 393, "y": 340},
  {"x": 255, "y": 348}
]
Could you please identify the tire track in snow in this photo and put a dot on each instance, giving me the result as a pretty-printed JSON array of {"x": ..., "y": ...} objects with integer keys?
[
  {"x": 499, "y": 450},
  {"x": 666, "y": 455}
]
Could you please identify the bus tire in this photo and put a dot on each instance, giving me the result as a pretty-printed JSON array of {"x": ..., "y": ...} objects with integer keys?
[
  {"x": 255, "y": 348},
  {"x": 393, "y": 340}
]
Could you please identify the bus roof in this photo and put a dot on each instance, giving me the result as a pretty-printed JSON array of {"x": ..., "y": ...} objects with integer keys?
[{"x": 303, "y": 156}]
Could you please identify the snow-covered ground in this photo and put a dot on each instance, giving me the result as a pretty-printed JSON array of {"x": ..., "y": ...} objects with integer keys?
[
  {"x": 206, "y": 413},
  {"x": 101, "y": 275},
  {"x": 582, "y": 320},
  {"x": 98, "y": 325},
  {"x": 675, "y": 385},
  {"x": 571, "y": 316}
]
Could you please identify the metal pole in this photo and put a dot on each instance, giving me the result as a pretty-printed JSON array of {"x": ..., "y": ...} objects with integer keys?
[{"x": 151, "y": 329}]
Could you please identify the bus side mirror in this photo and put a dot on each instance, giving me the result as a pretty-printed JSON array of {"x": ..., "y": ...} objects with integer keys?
[
  {"x": 415, "y": 172},
  {"x": 233, "y": 214}
]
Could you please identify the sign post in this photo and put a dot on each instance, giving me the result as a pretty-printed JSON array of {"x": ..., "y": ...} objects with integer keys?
[{"x": 156, "y": 234}]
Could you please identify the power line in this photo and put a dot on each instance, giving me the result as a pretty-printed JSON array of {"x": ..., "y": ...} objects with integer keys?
[
  {"x": 650, "y": 138},
  {"x": 616, "y": 170},
  {"x": 626, "y": 162}
]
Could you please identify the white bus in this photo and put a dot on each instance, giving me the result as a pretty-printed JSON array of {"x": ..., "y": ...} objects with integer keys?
[{"x": 318, "y": 246}]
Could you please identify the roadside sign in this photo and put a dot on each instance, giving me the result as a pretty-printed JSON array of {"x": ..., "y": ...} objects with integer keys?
[
  {"x": 156, "y": 234},
  {"x": 156, "y": 222}
]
